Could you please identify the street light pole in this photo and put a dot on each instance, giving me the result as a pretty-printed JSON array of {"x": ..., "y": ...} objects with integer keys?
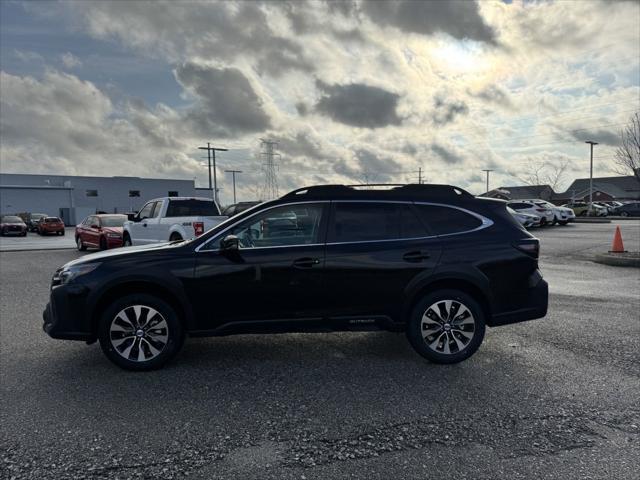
[
  {"x": 233, "y": 173},
  {"x": 591, "y": 176},
  {"x": 488, "y": 171}
]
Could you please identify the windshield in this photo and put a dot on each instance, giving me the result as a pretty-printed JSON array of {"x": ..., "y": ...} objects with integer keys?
[
  {"x": 11, "y": 219},
  {"x": 113, "y": 221},
  {"x": 52, "y": 220}
]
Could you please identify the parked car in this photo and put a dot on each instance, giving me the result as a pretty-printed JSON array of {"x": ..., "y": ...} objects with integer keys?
[
  {"x": 526, "y": 206},
  {"x": 525, "y": 219},
  {"x": 561, "y": 215},
  {"x": 432, "y": 261},
  {"x": 237, "y": 208},
  {"x": 581, "y": 209},
  {"x": 100, "y": 231},
  {"x": 171, "y": 219},
  {"x": 32, "y": 222},
  {"x": 49, "y": 225},
  {"x": 628, "y": 210},
  {"x": 608, "y": 208},
  {"x": 12, "y": 225}
]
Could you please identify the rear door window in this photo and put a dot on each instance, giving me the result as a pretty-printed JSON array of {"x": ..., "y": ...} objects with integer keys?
[
  {"x": 360, "y": 222},
  {"x": 443, "y": 220},
  {"x": 192, "y": 208}
]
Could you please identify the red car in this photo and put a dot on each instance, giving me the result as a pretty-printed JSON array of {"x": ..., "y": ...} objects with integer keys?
[
  {"x": 12, "y": 225},
  {"x": 100, "y": 231},
  {"x": 51, "y": 225}
]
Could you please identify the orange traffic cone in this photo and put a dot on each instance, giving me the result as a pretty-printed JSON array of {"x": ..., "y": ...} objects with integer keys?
[{"x": 617, "y": 246}]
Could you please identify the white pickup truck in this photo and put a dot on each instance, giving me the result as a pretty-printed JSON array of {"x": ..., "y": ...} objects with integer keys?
[{"x": 170, "y": 219}]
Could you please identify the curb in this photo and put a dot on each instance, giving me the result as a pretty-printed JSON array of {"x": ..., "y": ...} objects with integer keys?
[
  {"x": 630, "y": 259},
  {"x": 591, "y": 220},
  {"x": 8, "y": 250}
]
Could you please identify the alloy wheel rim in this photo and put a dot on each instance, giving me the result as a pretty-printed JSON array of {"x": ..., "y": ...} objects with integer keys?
[
  {"x": 448, "y": 326},
  {"x": 139, "y": 333}
]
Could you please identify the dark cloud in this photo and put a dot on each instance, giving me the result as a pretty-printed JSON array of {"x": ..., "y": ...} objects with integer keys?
[
  {"x": 496, "y": 95},
  {"x": 376, "y": 167},
  {"x": 358, "y": 105},
  {"x": 446, "y": 111},
  {"x": 302, "y": 108},
  {"x": 300, "y": 145},
  {"x": 228, "y": 104},
  {"x": 446, "y": 155},
  {"x": 459, "y": 18},
  {"x": 604, "y": 137}
]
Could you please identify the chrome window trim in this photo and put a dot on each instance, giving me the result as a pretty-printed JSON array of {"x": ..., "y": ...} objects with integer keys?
[
  {"x": 485, "y": 223},
  {"x": 200, "y": 248}
]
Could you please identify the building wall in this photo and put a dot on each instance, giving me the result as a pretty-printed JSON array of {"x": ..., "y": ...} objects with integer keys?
[{"x": 34, "y": 193}]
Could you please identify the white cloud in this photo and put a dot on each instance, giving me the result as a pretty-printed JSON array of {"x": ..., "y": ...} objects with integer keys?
[{"x": 69, "y": 60}]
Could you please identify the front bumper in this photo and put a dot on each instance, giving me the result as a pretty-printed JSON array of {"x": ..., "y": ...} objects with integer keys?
[
  {"x": 64, "y": 316},
  {"x": 528, "y": 304}
]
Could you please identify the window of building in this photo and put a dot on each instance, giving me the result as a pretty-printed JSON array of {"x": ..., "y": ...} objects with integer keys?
[
  {"x": 447, "y": 220},
  {"x": 358, "y": 222},
  {"x": 92, "y": 193},
  {"x": 134, "y": 193},
  {"x": 173, "y": 193}
]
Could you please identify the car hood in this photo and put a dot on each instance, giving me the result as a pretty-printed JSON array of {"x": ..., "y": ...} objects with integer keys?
[
  {"x": 121, "y": 252},
  {"x": 13, "y": 223}
]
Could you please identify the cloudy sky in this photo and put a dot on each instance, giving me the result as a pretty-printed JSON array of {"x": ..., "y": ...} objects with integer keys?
[{"x": 353, "y": 91}]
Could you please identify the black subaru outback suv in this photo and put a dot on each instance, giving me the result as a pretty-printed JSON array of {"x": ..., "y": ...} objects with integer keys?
[{"x": 429, "y": 260}]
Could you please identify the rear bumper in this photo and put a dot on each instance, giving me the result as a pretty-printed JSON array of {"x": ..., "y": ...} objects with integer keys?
[
  {"x": 62, "y": 317},
  {"x": 532, "y": 303}
]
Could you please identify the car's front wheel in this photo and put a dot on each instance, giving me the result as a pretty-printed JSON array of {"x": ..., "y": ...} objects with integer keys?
[
  {"x": 126, "y": 240},
  {"x": 140, "y": 332},
  {"x": 80, "y": 244},
  {"x": 446, "y": 326}
]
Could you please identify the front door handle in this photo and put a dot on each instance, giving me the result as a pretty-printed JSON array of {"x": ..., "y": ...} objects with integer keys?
[
  {"x": 416, "y": 256},
  {"x": 306, "y": 262},
  {"x": 144, "y": 224}
]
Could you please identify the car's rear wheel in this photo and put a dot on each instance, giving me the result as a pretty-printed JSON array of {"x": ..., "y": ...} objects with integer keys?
[
  {"x": 175, "y": 237},
  {"x": 446, "y": 326},
  {"x": 80, "y": 245},
  {"x": 140, "y": 332}
]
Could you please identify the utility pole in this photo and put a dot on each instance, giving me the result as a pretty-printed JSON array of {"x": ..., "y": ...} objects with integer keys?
[
  {"x": 420, "y": 175},
  {"x": 233, "y": 173},
  {"x": 591, "y": 176},
  {"x": 488, "y": 170},
  {"x": 211, "y": 155}
]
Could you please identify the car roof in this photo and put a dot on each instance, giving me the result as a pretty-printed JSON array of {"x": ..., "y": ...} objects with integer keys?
[
  {"x": 179, "y": 198},
  {"x": 408, "y": 192}
]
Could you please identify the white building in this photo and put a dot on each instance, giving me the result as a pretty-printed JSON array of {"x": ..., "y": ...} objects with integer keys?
[{"x": 72, "y": 197}]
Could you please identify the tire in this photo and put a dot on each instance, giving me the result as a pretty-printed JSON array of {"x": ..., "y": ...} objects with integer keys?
[
  {"x": 126, "y": 240},
  {"x": 103, "y": 243},
  {"x": 563, "y": 222},
  {"x": 174, "y": 237},
  {"x": 428, "y": 345},
  {"x": 121, "y": 317},
  {"x": 543, "y": 222},
  {"x": 624, "y": 214},
  {"x": 555, "y": 220},
  {"x": 23, "y": 234},
  {"x": 80, "y": 245},
  {"x": 61, "y": 232}
]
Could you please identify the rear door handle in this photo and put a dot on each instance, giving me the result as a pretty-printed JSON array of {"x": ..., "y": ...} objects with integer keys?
[
  {"x": 306, "y": 262},
  {"x": 416, "y": 256}
]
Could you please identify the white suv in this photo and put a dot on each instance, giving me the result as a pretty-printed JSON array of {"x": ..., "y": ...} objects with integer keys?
[
  {"x": 529, "y": 206},
  {"x": 561, "y": 215}
]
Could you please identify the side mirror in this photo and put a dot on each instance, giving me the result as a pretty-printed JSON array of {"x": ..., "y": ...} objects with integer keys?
[
  {"x": 96, "y": 226},
  {"x": 229, "y": 243},
  {"x": 132, "y": 217}
]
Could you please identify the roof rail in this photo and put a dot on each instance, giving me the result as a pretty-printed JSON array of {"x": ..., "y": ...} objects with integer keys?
[{"x": 398, "y": 188}]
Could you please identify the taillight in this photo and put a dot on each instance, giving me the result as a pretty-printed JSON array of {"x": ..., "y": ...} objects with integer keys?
[
  {"x": 198, "y": 228},
  {"x": 530, "y": 246}
]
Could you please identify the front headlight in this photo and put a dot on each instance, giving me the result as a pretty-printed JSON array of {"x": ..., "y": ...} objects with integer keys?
[{"x": 69, "y": 273}]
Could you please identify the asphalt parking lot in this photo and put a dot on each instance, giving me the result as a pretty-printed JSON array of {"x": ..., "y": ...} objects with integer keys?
[{"x": 551, "y": 398}]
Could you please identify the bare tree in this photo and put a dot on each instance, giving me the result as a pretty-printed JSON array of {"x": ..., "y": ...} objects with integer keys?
[
  {"x": 547, "y": 173},
  {"x": 628, "y": 153}
]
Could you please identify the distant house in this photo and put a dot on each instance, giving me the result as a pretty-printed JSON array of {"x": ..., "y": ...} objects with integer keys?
[
  {"x": 544, "y": 192},
  {"x": 604, "y": 189}
]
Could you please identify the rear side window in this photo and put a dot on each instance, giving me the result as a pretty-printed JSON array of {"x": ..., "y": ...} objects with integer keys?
[
  {"x": 447, "y": 220},
  {"x": 357, "y": 222},
  {"x": 192, "y": 208}
]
